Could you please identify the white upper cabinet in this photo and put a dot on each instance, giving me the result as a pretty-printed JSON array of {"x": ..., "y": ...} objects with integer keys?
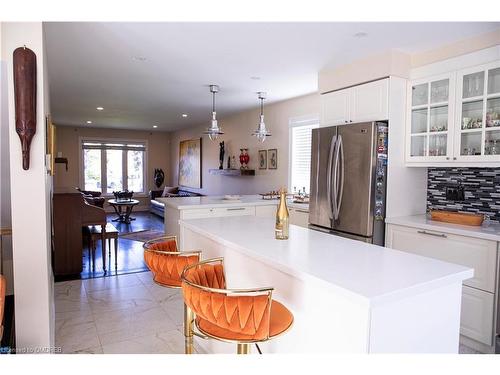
[
  {"x": 370, "y": 102},
  {"x": 478, "y": 114},
  {"x": 335, "y": 108},
  {"x": 367, "y": 102},
  {"x": 455, "y": 118},
  {"x": 429, "y": 135}
]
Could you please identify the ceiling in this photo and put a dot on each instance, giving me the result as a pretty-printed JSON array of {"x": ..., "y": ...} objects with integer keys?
[{"x": 148, "y": 74}]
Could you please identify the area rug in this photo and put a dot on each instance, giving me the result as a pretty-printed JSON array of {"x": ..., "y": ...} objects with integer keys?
[{"x": 142, "y": 235}]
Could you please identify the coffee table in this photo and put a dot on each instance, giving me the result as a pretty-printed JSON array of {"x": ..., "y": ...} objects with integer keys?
[{"x": 123, "y": 209}]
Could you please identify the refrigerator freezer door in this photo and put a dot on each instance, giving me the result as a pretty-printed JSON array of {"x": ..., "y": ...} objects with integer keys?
[
  {"x": 321, "y": 209},
  {"x": 359, "y": 161}
]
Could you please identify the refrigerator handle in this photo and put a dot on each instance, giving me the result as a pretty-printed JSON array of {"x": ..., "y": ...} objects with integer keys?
[
  {"x": 331, "y": 212},
  {"x": 340, "y": 150}
]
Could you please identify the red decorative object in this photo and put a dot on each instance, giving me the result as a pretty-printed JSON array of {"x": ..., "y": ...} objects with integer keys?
[
  {"x": 25, "y": 99},
  {"x": 244, "y": 158}
]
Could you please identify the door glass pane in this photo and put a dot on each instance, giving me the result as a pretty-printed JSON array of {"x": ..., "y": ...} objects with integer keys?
[
  {"x": 472, "y": 115},
  {"x": 114, "y": 170},
  {"x": 419, "y": 94},
  {"x": 135, "y": 170},
  {"x": 492, "y": 142},
  {"x": 494, "y": 81},
  {"x": 92, "y": 170},
  {"x": 418, "y": 145},
  {"x": 439, "y": 119},
  {"x": 439, "y": 91},
  {"x": 493, "y": 113},
  {"x": 473, "y": 85},
  {"x": 419, "y": 121},
  {"x": 437, "y": 144},
  {"x": 471, "y": 143}
]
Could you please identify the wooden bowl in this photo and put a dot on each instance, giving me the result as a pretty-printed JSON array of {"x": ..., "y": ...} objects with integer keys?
[{"x": 457, "y": 217}]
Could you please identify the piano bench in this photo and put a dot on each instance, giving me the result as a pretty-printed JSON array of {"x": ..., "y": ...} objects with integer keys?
[{"x": 95, "y": 234}]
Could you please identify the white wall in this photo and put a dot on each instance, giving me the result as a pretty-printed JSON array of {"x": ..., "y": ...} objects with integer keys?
[
  {"x": 30, "y": 192},
  {"x": 5, "y": 209},
  {"x": 237, "y": 134}
]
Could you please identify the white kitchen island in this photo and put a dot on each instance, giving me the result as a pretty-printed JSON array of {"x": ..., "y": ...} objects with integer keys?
[
  {"x": 346, "y": 296},
  {"x": 183, "y": 208}
]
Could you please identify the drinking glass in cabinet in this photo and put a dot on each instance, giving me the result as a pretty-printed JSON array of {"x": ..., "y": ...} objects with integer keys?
[
  {"x": 439, "y": 119},
  {"x": 492, "y": 142},
  {"x": 437, "y": 145},
  {"x": 439, "y": 91},
  {"x": 473, "y": 85},
  {"x": 494, "y": 81},
  {"x": 419, "y": 94},
  {"x": 470, "y": 143},
  {"x": 472, "y": 115},
  {"x": 419, "y": 121},
  {"x": 493, "y": 112},
  {"x": 418, "y": 145}
]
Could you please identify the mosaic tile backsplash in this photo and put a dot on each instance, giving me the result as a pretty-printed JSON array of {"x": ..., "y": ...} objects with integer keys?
[{"x": 481, "y": 188}]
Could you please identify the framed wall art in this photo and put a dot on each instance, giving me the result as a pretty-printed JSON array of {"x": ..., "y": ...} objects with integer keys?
[
  {"x": 272, "y": 158},
  {"x": 262, "y": 159},
  {"x": 190, "y": 163}
]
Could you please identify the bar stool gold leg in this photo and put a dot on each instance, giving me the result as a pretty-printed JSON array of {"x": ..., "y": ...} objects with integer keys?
[
  {"x": 243, "y": 348},
  {"x": 188, "y": 330}
]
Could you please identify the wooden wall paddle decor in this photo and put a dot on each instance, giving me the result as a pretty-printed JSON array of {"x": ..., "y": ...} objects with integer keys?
[{"x": 25, "y": 99}]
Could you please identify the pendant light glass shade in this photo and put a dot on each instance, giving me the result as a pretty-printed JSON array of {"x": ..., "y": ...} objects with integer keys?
[
  {"x": 261, "y": 133},
  {"x": 213, "y": 131}
]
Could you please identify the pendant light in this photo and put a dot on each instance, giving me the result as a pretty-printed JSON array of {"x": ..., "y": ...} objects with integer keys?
[
  {"x": 261, "y": 133},
  {"x": 213, "y": 131}
]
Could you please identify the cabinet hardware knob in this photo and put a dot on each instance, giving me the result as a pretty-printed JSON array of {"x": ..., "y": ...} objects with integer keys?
[
  {"x": 350, "y": 120},
  {"x": 454, "y": 158},
  {"x": 447, "y": 158},
  {"x": 346, "y": 121}
]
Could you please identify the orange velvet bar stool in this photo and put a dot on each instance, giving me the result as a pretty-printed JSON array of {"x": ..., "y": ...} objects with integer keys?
[
  {"x": 241, "y": 316},
  {"x": 166, "y": 263}
]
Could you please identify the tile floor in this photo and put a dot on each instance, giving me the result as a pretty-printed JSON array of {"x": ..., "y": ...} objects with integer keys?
[
  {"x": 123, "y": 314},
  {"x": 119, "y": 314}
]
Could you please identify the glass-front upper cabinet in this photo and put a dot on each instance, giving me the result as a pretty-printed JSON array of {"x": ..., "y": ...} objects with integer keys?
[
  {"x": 430, "y": 119},
  {"x": 478, "y": 113}
]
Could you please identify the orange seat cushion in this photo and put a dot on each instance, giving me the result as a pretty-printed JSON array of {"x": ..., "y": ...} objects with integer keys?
[
  {"x": 281, "y": 319},
  {"x": 167, "y": 268}
]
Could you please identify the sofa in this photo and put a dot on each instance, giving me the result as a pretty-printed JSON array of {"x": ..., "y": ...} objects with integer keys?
[{"x": 158, "y": 208}]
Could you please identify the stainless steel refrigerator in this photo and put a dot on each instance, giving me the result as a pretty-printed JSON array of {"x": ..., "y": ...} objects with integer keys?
[{"x": 348, "y": 180}]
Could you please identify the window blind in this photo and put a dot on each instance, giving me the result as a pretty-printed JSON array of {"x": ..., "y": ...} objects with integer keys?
[
  {"x": 98, "y": 145},
  {"x": 301, "y": 156}
]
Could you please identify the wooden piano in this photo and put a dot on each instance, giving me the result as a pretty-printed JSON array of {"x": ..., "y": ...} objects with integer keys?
[{"x": 70, "y": 214}]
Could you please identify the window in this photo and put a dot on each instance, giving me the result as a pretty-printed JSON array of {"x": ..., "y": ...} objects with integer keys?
[
  {"x": 300, "y": 152},
  {"x": 113, "y": 165}
]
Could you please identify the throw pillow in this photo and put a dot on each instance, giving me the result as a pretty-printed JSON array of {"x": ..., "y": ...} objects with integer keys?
[{"x": 168, "y": 190}]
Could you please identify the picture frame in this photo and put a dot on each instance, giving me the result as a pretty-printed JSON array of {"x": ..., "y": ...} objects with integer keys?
[
  {"x": 190, "y": 159},
  {"x": 272, "y": 158},
  {"x": 262, "y": 159}
]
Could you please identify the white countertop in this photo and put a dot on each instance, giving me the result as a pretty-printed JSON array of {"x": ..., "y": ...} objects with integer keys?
[
  {"x": 485, "y": 232},
  {"x": 213, "y": 201},
  {"x": 371, "y": 273}
]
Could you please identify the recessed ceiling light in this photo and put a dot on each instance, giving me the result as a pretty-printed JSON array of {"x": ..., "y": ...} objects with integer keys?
[
  {"x": 89, "y": 122},
  {"x": 100, "y": 108},
  {"x": 361, "y": 34},
  {"x": 184, "y": 115},
  {"x": 155, "y": 126},
  {"x": 139, "y": 58},
  {"x": 255, "y": 78}
]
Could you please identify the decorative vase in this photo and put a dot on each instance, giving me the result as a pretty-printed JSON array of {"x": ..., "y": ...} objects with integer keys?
[{"x": 244, "y": 158}]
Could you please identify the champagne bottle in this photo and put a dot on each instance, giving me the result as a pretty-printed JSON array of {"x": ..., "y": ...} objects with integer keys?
[{"x": 282, "y": 218}]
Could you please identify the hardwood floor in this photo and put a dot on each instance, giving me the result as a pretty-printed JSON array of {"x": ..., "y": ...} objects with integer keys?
[{"x": 130, "y": 253}]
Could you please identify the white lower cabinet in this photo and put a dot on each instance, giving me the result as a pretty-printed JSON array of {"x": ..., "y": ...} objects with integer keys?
[
  {"x": 299, "y": 217},
  {"x": 479, "y": 293},
  {"x": 477, "y": 315}
]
